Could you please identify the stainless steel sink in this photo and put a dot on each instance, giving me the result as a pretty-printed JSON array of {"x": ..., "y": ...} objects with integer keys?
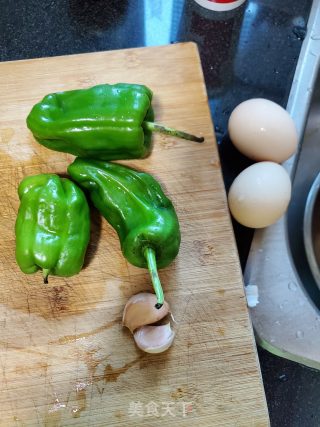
[
  {"x": 306, "y": 170},
  {"x": 287, "y": 318}
]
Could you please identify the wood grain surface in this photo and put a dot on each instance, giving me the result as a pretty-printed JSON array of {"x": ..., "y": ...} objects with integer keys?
[{"x": 65, "y": 359}]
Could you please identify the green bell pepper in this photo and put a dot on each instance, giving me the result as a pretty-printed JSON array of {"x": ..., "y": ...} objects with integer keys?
[
  {"x": 52, "y": 226},
  {"x": 136, "y": 207},
  {"x": 105, "y": 122}
]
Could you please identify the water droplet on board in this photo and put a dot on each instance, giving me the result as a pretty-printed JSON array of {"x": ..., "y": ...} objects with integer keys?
[{"x": 75, "y": 412}]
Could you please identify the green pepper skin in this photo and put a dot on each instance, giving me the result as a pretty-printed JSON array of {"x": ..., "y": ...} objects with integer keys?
[
  {"x": 103, "y": 122},
  {"x": 52, "y": 226},
  {"x": 136, "y": 207}
]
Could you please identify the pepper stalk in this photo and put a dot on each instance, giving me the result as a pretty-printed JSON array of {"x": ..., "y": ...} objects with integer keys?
[
  {"x": 45, "y": 273},
  {"x": 155, "y": 127},
  {"x": 150, "y": 255}
]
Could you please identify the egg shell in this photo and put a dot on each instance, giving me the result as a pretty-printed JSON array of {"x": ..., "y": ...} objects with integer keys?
[
  {"x": 262, "y": 130},
  {"x": 260, "y": 194}
]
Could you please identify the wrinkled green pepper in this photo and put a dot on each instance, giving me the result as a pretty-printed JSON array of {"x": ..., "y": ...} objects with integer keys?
[
  {"x": 134, "y": 204},
  {"x": 52, "y": 226},
  {"x": 105, "y": 122}
]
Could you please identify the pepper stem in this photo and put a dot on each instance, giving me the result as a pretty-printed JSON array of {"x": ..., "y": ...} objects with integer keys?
[
  {"x": 154, "y": 127},
  {"x": 150, "y": 256},
  {"x": 45, "y": 273}
]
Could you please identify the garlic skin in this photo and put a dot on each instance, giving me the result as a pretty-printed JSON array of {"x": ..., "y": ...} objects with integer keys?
[
  {"x": 140, "y": 310},
  {"x": 154, "y": 339}
]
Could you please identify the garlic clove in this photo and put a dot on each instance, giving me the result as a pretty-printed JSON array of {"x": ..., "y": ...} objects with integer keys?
[
  {"x": 140, "y": 310},
  {"x": 154, "y": 339}
]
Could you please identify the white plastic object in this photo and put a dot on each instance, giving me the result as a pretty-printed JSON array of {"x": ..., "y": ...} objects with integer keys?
[
  {"x": 220, "y": 5},
  {"x": 252, "y": 294}
]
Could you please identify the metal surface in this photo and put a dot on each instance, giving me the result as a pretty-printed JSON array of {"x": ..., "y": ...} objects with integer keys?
[
  {"x": 311, "y": 229},
  {"x": 287, "y": 318}
]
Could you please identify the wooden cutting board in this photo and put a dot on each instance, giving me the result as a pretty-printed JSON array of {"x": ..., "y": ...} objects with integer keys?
[{"x": 64, "y": 357}]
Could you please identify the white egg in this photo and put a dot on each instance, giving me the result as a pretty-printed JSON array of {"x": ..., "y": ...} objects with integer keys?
[
  {"x": 263, "y": 130},
  {"x": 260, "y": 194}
]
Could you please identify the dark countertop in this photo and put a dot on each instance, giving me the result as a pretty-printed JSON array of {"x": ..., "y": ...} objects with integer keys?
[{"x": 250, "y": 52}]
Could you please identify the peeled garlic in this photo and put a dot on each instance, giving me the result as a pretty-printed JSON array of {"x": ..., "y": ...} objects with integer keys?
[
  {"x": 139, "y": 314},
  {"x": 140, "y": 310},
  {"x": 154, "y": 339}
]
